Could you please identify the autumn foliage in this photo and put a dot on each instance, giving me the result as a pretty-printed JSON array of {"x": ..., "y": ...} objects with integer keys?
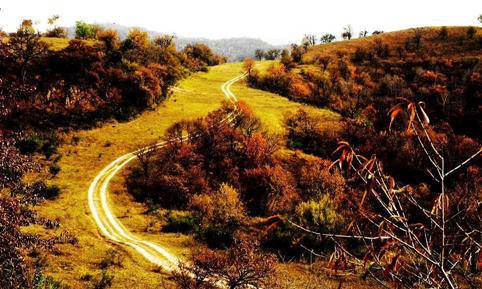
[
  {"x": 445, "y": 74},
  {"x": 227, "y": 173},
  {"x": 410, "y": 155},
  {"x": 244, "y": 265},
  {"x": 85, "y": 82}
]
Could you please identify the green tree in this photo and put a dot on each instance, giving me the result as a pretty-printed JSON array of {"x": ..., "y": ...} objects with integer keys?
[
  {"x": 85, "y": 30},
  {"x": 53, "y": 19},
  {"x": 320, "y": 215}
]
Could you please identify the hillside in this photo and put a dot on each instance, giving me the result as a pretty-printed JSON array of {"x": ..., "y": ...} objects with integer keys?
[
  {"x": 411, "y": 104},
  {"x": 423, "y": 64},
  {"x": 430, "y": 37},
  {"x": 236, "y": 49}
]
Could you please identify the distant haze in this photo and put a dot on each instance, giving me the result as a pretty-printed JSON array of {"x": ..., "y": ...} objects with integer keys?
[
  {"x": 275, "y": 21},
  {"x": 235, "y": 49}
]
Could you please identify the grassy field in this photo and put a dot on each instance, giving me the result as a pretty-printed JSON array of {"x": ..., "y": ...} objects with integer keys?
[
  {"x": 86, "y": 152},
  {"x": 56, "y": 44},
  {"x": 271, "y": 109}
]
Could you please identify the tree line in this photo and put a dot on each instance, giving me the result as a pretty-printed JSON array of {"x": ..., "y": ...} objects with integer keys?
[{"x": 310, "y": 40}]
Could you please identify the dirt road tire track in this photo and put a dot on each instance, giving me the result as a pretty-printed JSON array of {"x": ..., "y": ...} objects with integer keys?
[{"x": 110, "y": 227}]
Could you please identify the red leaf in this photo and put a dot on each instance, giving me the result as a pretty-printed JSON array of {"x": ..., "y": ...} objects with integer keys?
[{"x": 393, "y": 114}]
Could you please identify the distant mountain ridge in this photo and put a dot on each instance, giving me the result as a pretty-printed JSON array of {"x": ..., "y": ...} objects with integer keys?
[{"x": 235, "y": 49}]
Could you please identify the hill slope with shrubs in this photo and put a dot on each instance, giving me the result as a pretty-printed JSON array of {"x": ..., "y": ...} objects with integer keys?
[
  {"x": 89, "y": 80},
  {"x": 439, "y": 66},
  {"x": 52, "y": 85},
  {"x": 411, "y": 105}
]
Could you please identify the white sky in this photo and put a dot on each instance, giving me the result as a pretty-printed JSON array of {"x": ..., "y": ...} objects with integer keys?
[{"x": 276, "y": 21}]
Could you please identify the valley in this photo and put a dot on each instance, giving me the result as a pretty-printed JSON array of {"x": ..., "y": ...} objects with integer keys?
[
  {"x": 134, "y": 159},
  {"x": 192, "y": 98}
]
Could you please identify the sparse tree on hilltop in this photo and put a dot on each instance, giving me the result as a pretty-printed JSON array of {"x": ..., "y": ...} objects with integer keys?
[
  {"x": 110, "y": 38},
  {"x": 136, "y": 39},
  {"x": 286, "y": 59},
  {"x": 308, "y": 40},
  {"x": 327, "y": 38},
  {"x": 297, "y": 53},
  {"x": 347, "y": 32},
  {"x": 417, "y": 37},
  {"x": 363, "y": 33}
]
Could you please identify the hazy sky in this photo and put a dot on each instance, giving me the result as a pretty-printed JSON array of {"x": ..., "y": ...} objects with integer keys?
[{"x": 276, "y": 21}]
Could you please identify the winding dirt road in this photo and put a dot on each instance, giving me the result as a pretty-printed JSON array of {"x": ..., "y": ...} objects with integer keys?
[{"x": 110, "y": 227}]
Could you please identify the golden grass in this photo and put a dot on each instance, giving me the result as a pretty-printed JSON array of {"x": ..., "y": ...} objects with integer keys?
[
  {"x": 296, "y": 275},
  {"x": 56, "y": 44},
  {"x": 270, "y": 108},
  {"x": 194, "y": 97}
]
